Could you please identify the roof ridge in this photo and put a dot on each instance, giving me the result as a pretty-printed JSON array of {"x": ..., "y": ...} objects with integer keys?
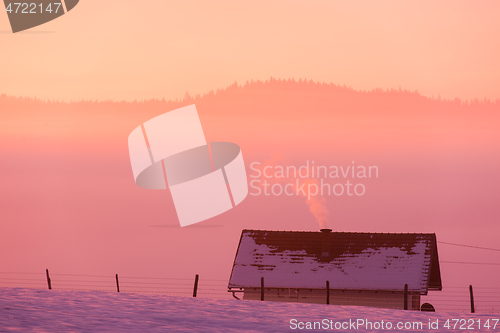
[{"x": 341, "y": 232}]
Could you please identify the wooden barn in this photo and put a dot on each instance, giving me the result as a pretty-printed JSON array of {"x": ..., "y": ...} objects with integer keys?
[{"x": 368, "y": 269}]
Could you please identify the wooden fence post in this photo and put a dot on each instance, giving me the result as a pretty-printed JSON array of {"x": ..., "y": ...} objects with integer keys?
[
  {"x": 195, "y": 290},
  {"x": 472, "y": 309},
  {"x": 117, "y": 284},
  {"x": 48, "y": 278},
  {"x": 327, "y": 292},
  {"x": 262, "y": 288},
  {"x": 406, "y": 297}
]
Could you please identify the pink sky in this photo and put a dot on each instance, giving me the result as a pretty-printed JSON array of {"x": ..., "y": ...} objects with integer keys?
[
  {"x": 123, "y": 51},
  {"x": 68, "y": 201}
]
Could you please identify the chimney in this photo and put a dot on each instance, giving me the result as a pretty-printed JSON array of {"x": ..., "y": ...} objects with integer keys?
[{"x": 325, "y": 242}]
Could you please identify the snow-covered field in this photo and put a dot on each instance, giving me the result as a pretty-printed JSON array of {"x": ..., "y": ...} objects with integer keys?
[{"x": 31, "y": 310}]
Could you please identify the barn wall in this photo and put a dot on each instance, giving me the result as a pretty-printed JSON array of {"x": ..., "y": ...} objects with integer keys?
[{"x": 386, "y": 300}]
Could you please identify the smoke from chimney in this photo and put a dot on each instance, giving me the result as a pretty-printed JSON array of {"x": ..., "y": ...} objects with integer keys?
[{"x": 316, "y": 204}]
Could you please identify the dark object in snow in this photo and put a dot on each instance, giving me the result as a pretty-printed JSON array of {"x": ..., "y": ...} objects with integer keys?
[{"x": 427, "y": 307}]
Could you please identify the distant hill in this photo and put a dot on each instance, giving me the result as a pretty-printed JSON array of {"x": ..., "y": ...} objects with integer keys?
[
  {"x": 268, "y": 112},
  {"x": 258, "y": 98}
]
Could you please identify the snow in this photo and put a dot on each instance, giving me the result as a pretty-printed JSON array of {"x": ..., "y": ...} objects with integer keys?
[
  {"x": 30, "y": 310},
  {"x": 383, "y": 268}
]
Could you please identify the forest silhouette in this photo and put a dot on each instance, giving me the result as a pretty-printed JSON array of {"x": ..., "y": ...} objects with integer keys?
[{"x": 275, "y": 114}]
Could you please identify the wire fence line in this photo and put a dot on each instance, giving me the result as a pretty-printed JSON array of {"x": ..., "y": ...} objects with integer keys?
[
  {"x": 453, "y": 298},
  {"x": 133, "y": 284}
]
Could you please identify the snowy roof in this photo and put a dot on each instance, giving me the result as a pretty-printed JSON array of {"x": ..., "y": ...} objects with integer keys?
[{"x": 348, "y": 260}]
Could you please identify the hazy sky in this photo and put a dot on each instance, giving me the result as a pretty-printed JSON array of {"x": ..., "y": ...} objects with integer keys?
[
  {"x": 128, "y": 50},
  {"x": 69, "y": 202}
]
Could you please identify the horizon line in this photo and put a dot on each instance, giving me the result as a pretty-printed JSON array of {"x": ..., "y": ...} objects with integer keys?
[{"x": 237, "y": 85}]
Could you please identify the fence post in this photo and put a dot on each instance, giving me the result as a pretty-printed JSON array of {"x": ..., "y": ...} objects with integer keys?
[
  {"x": 195, "y": 290},
  {"x": 117, "y": 284},
  {"x": 472, "y": 309},
  {"x": 262, "y": 288},
  {"x": 48, "y": 278},
  {"x": 327, "y": 292},
  {"x": 406, "y": 297}
]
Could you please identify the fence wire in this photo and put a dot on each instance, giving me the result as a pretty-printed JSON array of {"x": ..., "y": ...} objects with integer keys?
[{"x": 454, "y": 298}]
